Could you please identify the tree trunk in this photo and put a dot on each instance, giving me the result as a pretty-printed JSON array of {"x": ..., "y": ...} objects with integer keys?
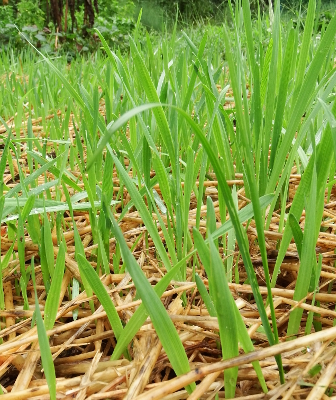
[
  {"x": 72, "y": 12},
  {"x": 56, "y": 13},
  {"x": 89, "y": 13},
  {"x": 47, "y": 13},
  {"x": 66, "y": 16}
]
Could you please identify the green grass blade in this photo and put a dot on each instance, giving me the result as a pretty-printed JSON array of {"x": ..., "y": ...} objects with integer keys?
[
  {"x": 194, "y": 73},
  {"x": 226, "y": 318},
  {"x": 3, "y": 263},
  {"x": 22, "y": 261},
  {"x": 79, "y": 251},
  {"x": 30, "y": 178},
  {"x": 111, "y": 129},
  {"x": 47, "y": 360},
  {"x": 3, "y": 160},
  {"x": 297, "y": 233},
  {"x": 282, "y": 97},
  {"x": 159, "y": 316},
  {"x": 97, "y": 286},
  {"x": 240, "y": 233},
  {"x": 48, "y": 244},
  {"x": 306, "y": 43},
  {"x": 308, "y": 258},
  {"x": 53, "y": 298},
  {"x": 188, "y": 185},
  {"x": 205, "y": 296}
]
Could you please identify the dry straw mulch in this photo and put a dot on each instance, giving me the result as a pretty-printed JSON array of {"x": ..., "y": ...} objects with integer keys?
[{"x": 81, "y": 348}]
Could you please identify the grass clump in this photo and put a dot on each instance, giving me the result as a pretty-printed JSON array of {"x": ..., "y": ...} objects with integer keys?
[{"x": 148, "y": 206}]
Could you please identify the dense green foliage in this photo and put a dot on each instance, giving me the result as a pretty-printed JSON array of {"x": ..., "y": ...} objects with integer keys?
[
  {"x": 54, "y": 26},
  {"x": 71, "y": 30},
  {"x": 254, "y": 97}
]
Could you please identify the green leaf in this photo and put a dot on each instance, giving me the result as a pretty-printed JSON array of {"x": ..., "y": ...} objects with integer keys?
[
  {"x": 205, "y": 296},
  {"x": 143, "y": 211},
  {"x": 162, "y": 323},
  {"x": 323, "y": 160},
  {"x": 226, "y": 318},
  {"x": 53, "y": 298},
  {"x": 97, "y": 286},
  {"x": 3, "y": 160},
  {"x": 79, "y": 250},
  {"x": 111, "y": 129},
  {"x": 308, "y": 258},
  {"x": 297, "y": 233},
  {"x": 47, "y": 360},
  {"x": 48, "y": 244},
  {"x": 30, "y": 178}
]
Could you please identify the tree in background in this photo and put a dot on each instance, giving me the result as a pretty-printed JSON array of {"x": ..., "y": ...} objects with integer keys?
[
  {"x": 52, "y": 25},
  {"x": 58, "y": 10}
]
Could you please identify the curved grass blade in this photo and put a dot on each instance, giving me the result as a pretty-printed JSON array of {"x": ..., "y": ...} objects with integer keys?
[
  {"x": 205, "y": 296},
  {"x": 323, "y": 160},
  {"x": 297, "y": 233},
  {"x": 48, "y": 244},
  {"x": 308, "y": 259},
  {"x": 162, "y": 323},
  {"x": 240, "y": 233},
  {"x": 59, "y": 206},
  {"x": 115, "y": 126},
  {"x": 46, "y": 357},
  {"x": 226, "y": 315},
  {"x": 53, "y": 298},
  {"x": 30, "y": 178},
  {"x": 97, "y": 286},
  {"x": 3, "y": 160}
]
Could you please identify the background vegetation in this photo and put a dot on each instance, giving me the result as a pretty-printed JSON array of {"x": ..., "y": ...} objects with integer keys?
[{"x": 56, "y": 26}]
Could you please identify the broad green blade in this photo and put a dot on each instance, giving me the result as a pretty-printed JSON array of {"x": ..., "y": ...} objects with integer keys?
[
  {"x": 97, "y": 286},
  {"x": 297, "y": 233},
  {"x": 162, "y": 323},
  {"x": 308, "y": 259},
  {"x": 48, "y": 244},
  {"x": 47, "y": 360},
  {"x": 53, "y": 298},
  {"x": 226, "y": 315}
]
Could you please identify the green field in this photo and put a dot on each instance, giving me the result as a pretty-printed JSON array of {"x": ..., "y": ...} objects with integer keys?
[{"x": 168, "y": 213}]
